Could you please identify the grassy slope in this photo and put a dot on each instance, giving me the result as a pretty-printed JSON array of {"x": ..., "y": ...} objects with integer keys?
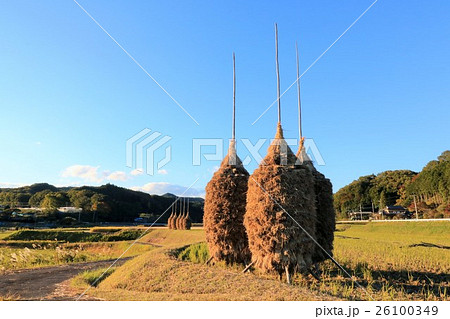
[
  {"x": 4, "y": 234},
  {"x": 157, "y": 276}
]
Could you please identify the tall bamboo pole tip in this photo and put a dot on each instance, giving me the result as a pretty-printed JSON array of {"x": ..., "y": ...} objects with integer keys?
[{"x": 278, "y": 73}]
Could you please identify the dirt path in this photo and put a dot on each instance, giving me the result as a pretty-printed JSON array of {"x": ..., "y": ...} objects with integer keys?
[{"x": 44, "y": 283}]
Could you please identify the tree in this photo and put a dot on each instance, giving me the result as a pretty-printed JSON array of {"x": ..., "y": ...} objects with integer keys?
[
  {"x": 81, "y": 198},
  {"x": 54, "y": 200},
  {"x": 37, "y": 198}
]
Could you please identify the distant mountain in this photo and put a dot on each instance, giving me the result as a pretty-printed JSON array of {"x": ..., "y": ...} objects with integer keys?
[
  {"x": 108, "y": 202},
  {"x": 32, "y": 189}
]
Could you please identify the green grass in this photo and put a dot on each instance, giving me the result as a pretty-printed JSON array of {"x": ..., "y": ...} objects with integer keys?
[
  {"x": 74, "y": 236},
  {"x": 385, "y": 246},
  {"x": 381, "y": 258},
  {"x": 92, "y": 277},
  {"x": 5, "y": 233},
  {"x": 35, "y": 248},
  {"x": 197, "y": 253},
  {"x": 42, "y": 256}
]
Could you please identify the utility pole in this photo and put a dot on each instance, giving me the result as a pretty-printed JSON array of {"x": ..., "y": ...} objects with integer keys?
[
  {"x": 379, "y": 208},
  {"x": 415, "y": 206}
]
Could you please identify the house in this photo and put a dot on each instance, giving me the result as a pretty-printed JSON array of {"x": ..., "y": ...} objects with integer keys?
[
  {"x": 395, "y": 211},
  {"x": 70, "y": 210},
  {"x": 20, "y": 216},
  {"x": 360, "y": 215}
]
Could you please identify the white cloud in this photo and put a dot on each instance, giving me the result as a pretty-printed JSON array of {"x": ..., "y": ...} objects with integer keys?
[
  {"x": 160, "y": 188},
  {"x": 137, "y": 172},
  {"x": 11, "y": 185},
  {"x": 162, "y": 172},
  {"x": 117, "y": 176},
  {"x": 70, "y": 184},
  {"x": 94, "y": 174},
  {"x": 85, "y": 172}
]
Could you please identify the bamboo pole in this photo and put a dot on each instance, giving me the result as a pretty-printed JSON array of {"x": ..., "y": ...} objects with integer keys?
[
  {"x": 248, "y": 267},
  {"x": 278, "y": 73},
  {"x": 298, "y": 93},
  {"x": 233, "y": 133},
  {"x": 209, "y": 260},
  {"x": 187, "y": 215},
  {"x": 288, "y": 275}
]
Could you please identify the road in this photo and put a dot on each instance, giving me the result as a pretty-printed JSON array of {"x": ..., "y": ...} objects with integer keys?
[{"x": 45, "y": 283}]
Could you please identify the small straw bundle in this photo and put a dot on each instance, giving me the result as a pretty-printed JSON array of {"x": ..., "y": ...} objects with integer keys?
[
  {"x": 171, "y": 217},
  {"x": 179, "y": 220},
  {"x": 280, "y": 206},
  {"x": 176, "y": 220},
  {"x": 186, "y": 221},
  {"x": 225, "y": 205}
]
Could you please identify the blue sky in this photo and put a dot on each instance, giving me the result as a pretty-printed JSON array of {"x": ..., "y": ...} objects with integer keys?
[{"x": 70, "y": 97}]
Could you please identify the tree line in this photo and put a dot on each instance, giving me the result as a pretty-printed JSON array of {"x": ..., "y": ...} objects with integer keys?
[
  {"x": 106, "y": 203},
  {"x": 430, "y": 188}
]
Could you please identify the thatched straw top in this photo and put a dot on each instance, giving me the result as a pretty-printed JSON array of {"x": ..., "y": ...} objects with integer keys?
[
  {"x": 231, "y": 159},
  {"x": 279, "y": 152},
  {"x": 302, "y": 156}
]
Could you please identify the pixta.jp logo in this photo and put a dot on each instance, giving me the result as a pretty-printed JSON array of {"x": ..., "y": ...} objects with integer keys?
[{"x": 142, "y": 151}]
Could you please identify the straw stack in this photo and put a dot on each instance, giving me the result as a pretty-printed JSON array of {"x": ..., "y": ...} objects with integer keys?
[
  {"x": 225, "y": 202},
  {"x": 280, "y": 206},
  {"x": 326, "y": 218},
  {"x": 186, "y": 221},
  {"x": 280, "y": 202}
]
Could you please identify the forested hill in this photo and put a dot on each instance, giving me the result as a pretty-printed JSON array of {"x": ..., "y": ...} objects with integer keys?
[
  {"x": 431, "y": 187},
  {"x": 103, "y": 203}
]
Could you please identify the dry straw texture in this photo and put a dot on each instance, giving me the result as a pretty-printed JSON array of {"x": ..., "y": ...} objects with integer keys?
[
  {"x": 180, "y": 221},
  {"x": 186, "y": 222},
  {"x": 276, "y": 241},
  {"x": 169, "y": 221},
  {"x": 224, "y": 211},
  {"x": 176, "y": 221},
  {"x": 326, "y": 217}
]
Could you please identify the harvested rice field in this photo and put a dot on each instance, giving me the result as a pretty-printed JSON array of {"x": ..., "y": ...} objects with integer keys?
[{"x": 390, "y": 261}]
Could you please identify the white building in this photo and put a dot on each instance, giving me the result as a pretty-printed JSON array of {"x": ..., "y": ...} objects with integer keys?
[{"x": 70, "y": 210}]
